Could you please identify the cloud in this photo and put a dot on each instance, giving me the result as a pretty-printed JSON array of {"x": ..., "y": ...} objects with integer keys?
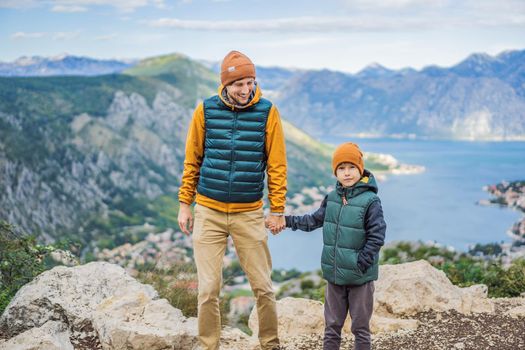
[
  {"x": 106, "y": 37},
  {"x": 18, "y": 4},
  {"x": 82, "y": 5},
  {"x": 121, "y": 5},
  {"x": 290, "y": 24},
  {"x": 68, "y": 9},
  {"x": 65, "y": 35},
  {"x": 26, "y": 35},
  {"x": 294, "y": 41},
  {"x": 343, "y": 24},
  {"x": 393, "y": 4},
  {"x": 37, "y": 35}
]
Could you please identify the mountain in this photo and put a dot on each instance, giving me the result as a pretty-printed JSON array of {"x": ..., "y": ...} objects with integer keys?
[
  {"x": 375, "y": 70},
  {"x": 274, "y": 78},
  {"x": 480, "y": 98},
  {"x": 94, "y": 159},
  {"x": 270, "y": 78},
  {"x": 61, "y": 65}
]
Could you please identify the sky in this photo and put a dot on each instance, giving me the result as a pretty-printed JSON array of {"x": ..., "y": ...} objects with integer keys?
[{"x": 345, "y": 35}]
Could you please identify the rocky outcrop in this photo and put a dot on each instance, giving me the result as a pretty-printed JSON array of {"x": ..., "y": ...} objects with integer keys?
[
  {"x": 99, "y": 306},
  {"x": 402, "y": 290},
  {"x": 134, "y": 150},
  {"x": 406, "y": 289}
]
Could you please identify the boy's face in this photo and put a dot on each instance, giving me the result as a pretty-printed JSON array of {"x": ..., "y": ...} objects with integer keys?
[{"x": 347, "y": 174}]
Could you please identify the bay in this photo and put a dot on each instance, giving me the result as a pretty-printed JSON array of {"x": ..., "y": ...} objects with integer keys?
[{"x": 436, "y": 205}]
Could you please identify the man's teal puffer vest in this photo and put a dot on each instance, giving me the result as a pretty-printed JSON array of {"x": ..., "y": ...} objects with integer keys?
[
  {"x": 234, "y": 152},
  {"x": 344, "y": 235}
]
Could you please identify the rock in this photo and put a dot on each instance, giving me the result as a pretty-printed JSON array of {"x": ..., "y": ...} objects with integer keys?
[
  {"x": 99, "y": 304},
  {"x": 135, "y": 321},
  {"x": 475, "y": 299},
  {"x": 52, "y": 335},
  {"x": 459, "y": 345},
  {"x": 380, "y": 324},
  {"x": 235, "y": 339},
  {"x": 296, "y": 316},
  {"x": 517, "y": 312},
  {"x": 410, "y": 288},
  {"x": 70, "y": 295}
]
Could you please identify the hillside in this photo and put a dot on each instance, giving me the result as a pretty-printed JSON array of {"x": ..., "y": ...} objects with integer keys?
[
  {"x": 91, "y": 158},
  {"x": 83, "y": 157}
]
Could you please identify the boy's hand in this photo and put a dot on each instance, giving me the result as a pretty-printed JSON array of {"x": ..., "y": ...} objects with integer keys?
[
  {"x": 185, "y": 218},
  {"x": 275, "y": 223}
]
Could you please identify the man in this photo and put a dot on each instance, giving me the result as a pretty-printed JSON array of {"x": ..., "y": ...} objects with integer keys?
[{"x": 234, "y": 137}]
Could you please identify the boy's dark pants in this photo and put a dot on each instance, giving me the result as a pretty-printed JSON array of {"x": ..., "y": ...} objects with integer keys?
[{"x": 339, "y": 300}]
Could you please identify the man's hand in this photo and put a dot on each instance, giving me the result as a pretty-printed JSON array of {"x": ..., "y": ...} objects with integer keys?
[
  {"x": 275, "y": 223},
  {"x": 185, "y": 219}
]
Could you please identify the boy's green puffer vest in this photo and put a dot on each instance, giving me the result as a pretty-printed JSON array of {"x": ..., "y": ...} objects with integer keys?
[
  {"x": 234, "y": 162},
  {"x": 344, "y": 234}
]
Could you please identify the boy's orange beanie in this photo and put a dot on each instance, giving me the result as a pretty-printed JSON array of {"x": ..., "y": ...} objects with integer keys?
[
  {"x": 235, "y": 66},
  {"x": 348, "y": 152}
]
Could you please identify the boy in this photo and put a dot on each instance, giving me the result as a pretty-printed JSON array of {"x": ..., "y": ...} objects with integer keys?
[{"x": 353, "y": 233}]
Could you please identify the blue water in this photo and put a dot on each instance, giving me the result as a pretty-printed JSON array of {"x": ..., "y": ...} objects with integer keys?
[{"x": 438, "y": 205}]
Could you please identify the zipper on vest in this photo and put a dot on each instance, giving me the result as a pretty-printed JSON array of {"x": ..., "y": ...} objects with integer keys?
[
  {"x": 234, "y": 129},
  {"x": 337, "y": 238}
]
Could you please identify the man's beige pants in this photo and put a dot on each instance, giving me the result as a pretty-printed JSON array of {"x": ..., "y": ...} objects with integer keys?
[{"x": 210, "y": 232}]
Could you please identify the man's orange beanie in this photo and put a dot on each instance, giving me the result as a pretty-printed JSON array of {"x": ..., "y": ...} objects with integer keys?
[
  {"x": 348, "y": 152},
  {"x": 236, "y": 66}
]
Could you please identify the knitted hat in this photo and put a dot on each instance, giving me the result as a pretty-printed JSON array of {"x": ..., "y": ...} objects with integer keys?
[
  {"x": 348, "y": 152},
  {"x": 236, "y": 66}
]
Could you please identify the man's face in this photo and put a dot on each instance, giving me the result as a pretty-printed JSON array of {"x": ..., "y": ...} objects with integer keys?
[{"x": 241, "y": 90}]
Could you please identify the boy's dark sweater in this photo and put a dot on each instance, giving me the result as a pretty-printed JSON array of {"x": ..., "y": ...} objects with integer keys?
[{"x": 375, "y": 228}]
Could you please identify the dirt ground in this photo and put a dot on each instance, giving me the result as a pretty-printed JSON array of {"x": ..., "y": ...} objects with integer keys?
[{"x": 449, "y": 330}]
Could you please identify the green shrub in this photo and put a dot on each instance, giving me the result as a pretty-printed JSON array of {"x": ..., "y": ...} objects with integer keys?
[
  {"x": 171, "y": 286},
  {"x": 307, "y": 284},
  {"x": 486, "y": 249},
  {"x": 21, "y": 259},
  {"x": 281, "y": 275},
  {"x": 229, "y": 273},
  {"x": 178, "y": 286}
]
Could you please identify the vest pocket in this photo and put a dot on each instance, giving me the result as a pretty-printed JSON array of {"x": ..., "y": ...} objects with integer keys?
[{"x": 346, "y": 258}]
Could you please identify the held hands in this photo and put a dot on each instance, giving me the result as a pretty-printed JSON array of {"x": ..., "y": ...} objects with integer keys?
[
  {"x": 185, "y": 219},
  {"x": 275, "y": 223}
]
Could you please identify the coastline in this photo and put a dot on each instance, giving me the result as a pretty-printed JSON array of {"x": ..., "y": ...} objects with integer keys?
[{"x": 510, "y": 195}]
